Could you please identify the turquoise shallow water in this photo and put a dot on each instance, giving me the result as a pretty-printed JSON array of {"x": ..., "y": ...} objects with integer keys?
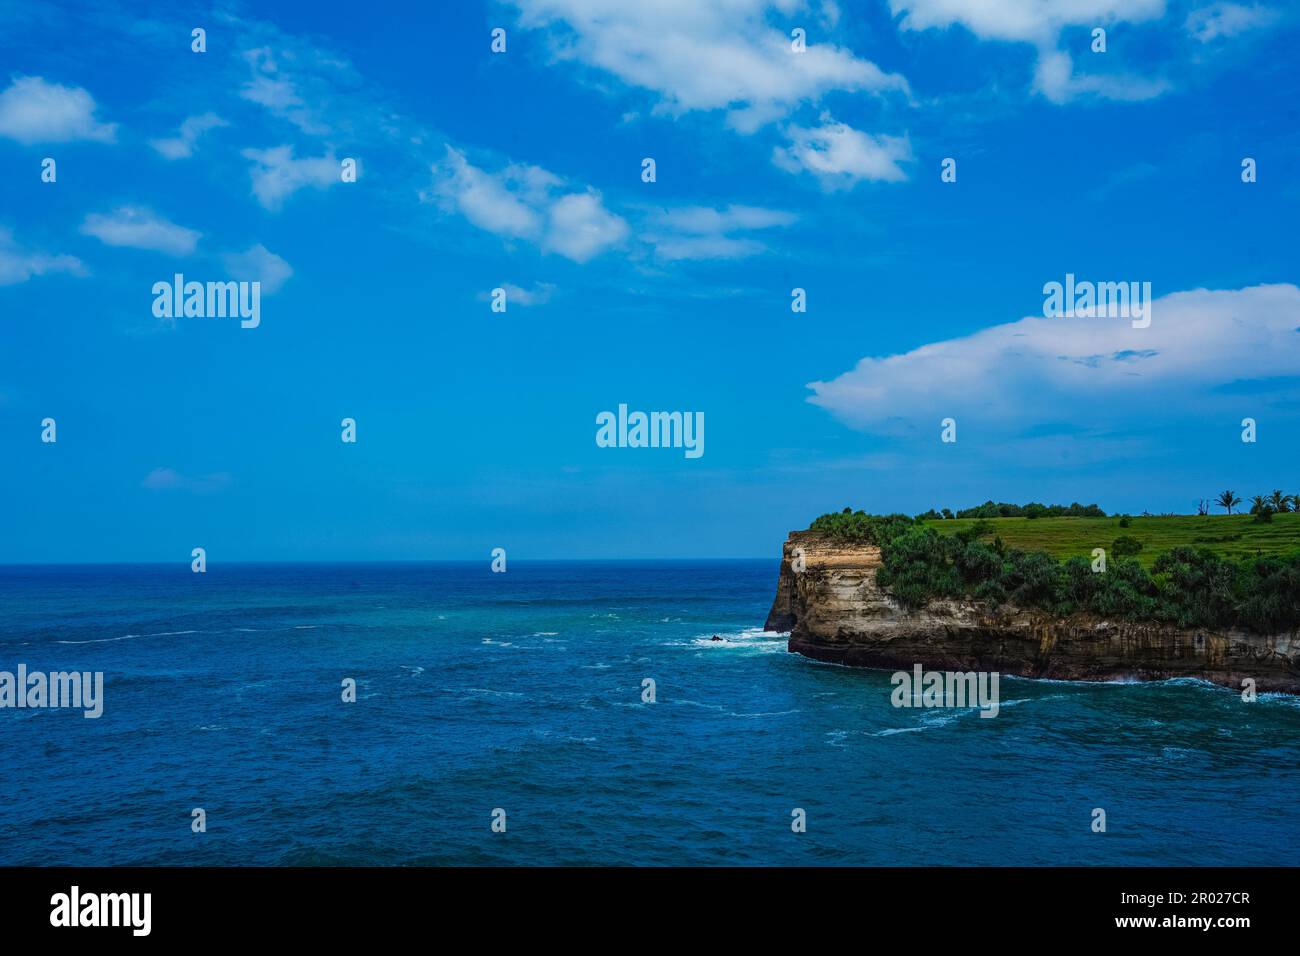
[{"x": 522, "y": 691}]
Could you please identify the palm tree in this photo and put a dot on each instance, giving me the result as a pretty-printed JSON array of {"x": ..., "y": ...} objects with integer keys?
[
  {"x": 1258, "y": 504},
  {"x": 1279, "y": 502},
  {"x": 1227, "y": 500}
]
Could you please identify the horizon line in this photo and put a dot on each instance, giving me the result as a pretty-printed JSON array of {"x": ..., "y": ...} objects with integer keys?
[{"x": 325, "y": 561}]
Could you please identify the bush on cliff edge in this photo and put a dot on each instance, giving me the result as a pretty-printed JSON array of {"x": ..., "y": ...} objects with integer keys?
[{"x": 1188, "y": 587}]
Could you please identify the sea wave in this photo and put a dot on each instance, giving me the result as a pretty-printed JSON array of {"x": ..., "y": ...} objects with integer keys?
[
  {"x": 126, "y": 637},
  {"x": 750, "y": 638}
]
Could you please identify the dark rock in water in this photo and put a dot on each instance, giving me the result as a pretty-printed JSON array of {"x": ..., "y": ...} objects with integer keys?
[
  {"x": 835, "y": 612},
  {"x": 715, "y": 637}
]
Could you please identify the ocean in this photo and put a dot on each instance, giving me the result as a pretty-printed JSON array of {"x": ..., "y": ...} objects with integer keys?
[{"x": 519, "y": 697}]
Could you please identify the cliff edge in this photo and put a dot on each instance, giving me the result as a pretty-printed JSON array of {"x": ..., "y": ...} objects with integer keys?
[{"x": 828, "y": 599}]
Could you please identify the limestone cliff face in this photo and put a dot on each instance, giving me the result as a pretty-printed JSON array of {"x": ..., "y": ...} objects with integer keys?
[{"x": 835, "y": 612}]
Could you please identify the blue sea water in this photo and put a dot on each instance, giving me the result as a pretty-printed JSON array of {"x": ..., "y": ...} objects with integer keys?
[{"x": 523, "y": 691}]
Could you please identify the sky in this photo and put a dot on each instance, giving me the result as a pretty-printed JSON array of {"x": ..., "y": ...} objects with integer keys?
[{"x": 776, "y": 168}]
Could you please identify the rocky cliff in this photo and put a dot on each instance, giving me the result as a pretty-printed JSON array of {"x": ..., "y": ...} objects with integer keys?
[{"x": 827, "y": 598}]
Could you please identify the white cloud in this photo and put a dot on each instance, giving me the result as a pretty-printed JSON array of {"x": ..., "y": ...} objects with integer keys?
[
  {"x": 841, "y": 156},
  {"x": 1040, "y": 23},
  {"x": 18, "y": 264},
  {"x": 504, "y": 204},
  {"x": 258, "y": 264},
  {"x": 706, "y": 219},
  {"x": 676, "y": 248},
  {"x": 169, "y": 479},
  {"x": 733, "y": 55},
  {"x": 540, "y": 294},
  {"x": 1226, "y": 20},
  {"x": 277, "y": 175},
  {"x": 181, "y": 146},
  {"x": 138, "y": 228},
  {"x": 527, "y": 202},
  {"x": 1031, "y": 21},
  {"x": 33, "y": 110},
  {"x": 277, "y": 91},
  {"x": 580, "y": 228},
  {"x": 702, "y": 232},
  {"x": 1055, "y": 78},
  {"x": 1079, "y": 369}
]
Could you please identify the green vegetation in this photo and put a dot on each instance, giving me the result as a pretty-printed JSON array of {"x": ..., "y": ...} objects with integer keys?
[
  {"x": 1227, "y": 500},
  {"x": 858, "y": 527},
  {"x": 1235, "y": 536},
  {"x": 1193, "y": 571},
  {"x": 1001, "y": 509},
  {"x": 1125, "y": 546}
]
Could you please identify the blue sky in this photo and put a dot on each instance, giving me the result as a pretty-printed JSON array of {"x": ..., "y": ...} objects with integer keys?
[{"x": 522, "y": 170}]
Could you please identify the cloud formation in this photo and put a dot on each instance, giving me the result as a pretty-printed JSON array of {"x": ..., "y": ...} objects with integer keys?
[
  {"x": 277, "y": 91},
  {"x": 1226, "y": 20},
  {"x": 841, "y": 156},
  {"x": 540, "y": 294},
  {"x": 258, "y": 264},
  {"x": 135, "y": 227},
  {"x": 33, "y": 110},
  {"x": 182, "y": 145},
  {"x": 1041, "y": 22},
  {"x": 707, "y": 56},
  {"x": 1036, "y": 370},
  {"x": 18, "y": 264},
  {"x": 527, "y": 202},
  {"x": 277, "y": 174},
  {"x": 703, "y": 232}
]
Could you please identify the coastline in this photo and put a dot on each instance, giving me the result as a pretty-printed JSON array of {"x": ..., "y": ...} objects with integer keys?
[{"x": 836, "y": 613}]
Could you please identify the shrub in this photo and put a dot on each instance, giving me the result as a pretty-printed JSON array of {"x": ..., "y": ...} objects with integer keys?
[
  {"x": 1034, "y": 509},
  {"x": 1197, "y": 587},
  {"x": 1189, "y": 587},
  {"x": 1125, "y": 546}
]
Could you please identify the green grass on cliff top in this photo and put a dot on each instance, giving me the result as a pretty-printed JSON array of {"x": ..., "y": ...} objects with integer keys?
[{"x": 1234, "y": 536}]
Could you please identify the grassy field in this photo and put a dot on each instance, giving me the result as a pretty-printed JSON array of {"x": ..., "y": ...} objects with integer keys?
[{"x": 1230, "y": 535}]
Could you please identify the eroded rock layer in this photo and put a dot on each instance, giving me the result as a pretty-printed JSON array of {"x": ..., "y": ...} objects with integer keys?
[{"x": 828, "y": 599}]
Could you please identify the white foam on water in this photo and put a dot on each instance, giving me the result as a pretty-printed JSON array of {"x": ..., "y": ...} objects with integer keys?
[
  {"x": 102, "y": 640},
  {"x": 1272, "y": 697},
  {"x": 932, "y": 720},
  {"x": 127, "y": 637},
  {"x": 749, "y": 638}
]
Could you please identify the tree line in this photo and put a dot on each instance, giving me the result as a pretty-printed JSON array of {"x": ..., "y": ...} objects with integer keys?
[
  {"x": 1187, "y": 587},
  {"x": 1263, "y": 507}
]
